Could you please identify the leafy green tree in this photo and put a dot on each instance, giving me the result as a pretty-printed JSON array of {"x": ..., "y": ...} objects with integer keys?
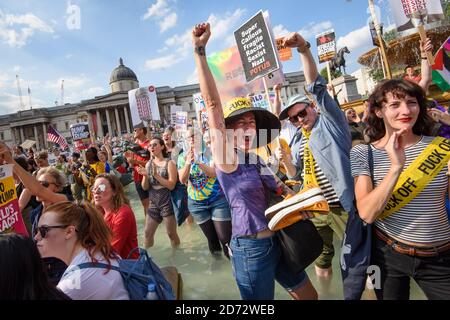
[{"x": 334, "y": 75}]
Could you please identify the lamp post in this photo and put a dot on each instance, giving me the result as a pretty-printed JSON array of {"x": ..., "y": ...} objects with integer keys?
[{"x": 380, "y": 40}]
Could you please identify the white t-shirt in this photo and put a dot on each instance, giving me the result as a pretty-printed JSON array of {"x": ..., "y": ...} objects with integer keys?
[{"x": 92, "y": 283}]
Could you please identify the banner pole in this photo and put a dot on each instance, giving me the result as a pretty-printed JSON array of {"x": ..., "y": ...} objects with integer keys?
[
  {"x": 380, "y": 39},
  {"x": 423, "y": 37},
  {"x": 266, "y": 87},
  {"x": 329, "y": 72}
]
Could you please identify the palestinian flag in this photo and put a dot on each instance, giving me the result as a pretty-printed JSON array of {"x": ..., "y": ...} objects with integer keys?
[{"x": 441, "y": 67}]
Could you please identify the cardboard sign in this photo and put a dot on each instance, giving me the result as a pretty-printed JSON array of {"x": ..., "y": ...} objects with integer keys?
[
  {"x": 80, "y": 135},
  {"x": 143, "y": 104},
  {"x": 200, "y": 109},
  {"x": 259, "y": 101},
  {"x": 410, "y": 13},
  {"x": 326, "y": 45},
  {"x": 285, "y": 53},
  {"x": 10, "y": 216},
  {"x": 256, "y": 48}
]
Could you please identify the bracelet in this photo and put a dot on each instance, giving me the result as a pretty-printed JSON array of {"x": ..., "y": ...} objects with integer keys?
[
  {"x": 302, "y": 50},
  {"x": 200, "y": 50}
]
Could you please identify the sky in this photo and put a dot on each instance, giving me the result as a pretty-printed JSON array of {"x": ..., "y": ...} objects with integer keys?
[{"x": 81, "y": 41}]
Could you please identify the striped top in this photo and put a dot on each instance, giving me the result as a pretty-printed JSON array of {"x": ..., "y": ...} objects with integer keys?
[
  {"x": 424, "y": 219},
  {"x": 324, "y": 184}
]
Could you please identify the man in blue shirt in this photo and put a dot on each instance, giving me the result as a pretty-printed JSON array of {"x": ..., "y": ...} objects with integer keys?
[{"x": 329, "y": 143}]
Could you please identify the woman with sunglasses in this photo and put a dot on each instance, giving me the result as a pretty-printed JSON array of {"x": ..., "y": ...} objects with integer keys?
[
  {"x": 159, "y": 178},
  {"x": 206, "y": 202},
  {"x": 110, "y": 199},
  {"x": 23, "y": 276},
  {"x": 254, "y": 249},
  {"x": 401, "y": 185},
  {"x": 77, "y": 234}
]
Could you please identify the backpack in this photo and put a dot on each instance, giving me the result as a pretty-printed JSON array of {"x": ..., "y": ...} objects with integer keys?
[{"x": 137, "y": 274}]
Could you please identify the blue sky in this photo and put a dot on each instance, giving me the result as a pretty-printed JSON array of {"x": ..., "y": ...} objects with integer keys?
[{"x": 152, "y": 36}]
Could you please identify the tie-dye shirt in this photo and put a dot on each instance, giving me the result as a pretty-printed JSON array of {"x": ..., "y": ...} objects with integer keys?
[{"x": 201, "y": 187}]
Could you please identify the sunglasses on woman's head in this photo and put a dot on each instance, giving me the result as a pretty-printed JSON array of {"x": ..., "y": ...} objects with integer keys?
[
  {"x": 300, "y": 114},
  {"x": 43, "y": 230}
]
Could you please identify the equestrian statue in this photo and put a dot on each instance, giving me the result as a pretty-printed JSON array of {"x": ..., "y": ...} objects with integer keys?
[{"x": 339, "y": 61}]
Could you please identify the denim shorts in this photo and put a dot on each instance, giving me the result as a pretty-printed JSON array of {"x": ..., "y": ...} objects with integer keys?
[
  {"x": 257, "y": 264},
  {"x": 218, "y": 209}
]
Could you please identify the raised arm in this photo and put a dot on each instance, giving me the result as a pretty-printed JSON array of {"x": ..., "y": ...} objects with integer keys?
[
  {"x": 295, "y": 40},
  {"x": 425, "y": 68},
  {"x": 208, "y": 88},
  {"x": 277, "y": 102}
]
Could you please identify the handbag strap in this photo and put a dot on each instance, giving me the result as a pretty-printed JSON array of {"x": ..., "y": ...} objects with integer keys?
[{"x": 370, "y": 157}]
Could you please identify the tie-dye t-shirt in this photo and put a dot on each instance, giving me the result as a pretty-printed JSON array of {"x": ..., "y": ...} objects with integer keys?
[{"x": 200, "y": 187}]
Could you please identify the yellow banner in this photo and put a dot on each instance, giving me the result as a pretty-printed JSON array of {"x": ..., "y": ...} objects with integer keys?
[{"x": 418, "y": 175}]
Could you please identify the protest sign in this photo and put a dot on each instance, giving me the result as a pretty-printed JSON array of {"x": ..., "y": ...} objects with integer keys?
[
  {"x": 326, "y": 45},
  {"x": 173, "y": 113},
  {"x": 410, "y": 13},
  {"x": 256, "y": 48},
  {"x": 228, "y": 72},
  {"x": 259, "y": 101},
  {"x": 285, "y": 53},
  {"x": 80, "y": 135},
  {"x": 200, "y": 110},
  {"x": 181, "y": 121},
  {"x": 10, "y": 216},
  {"x": 143, "y": 104}
]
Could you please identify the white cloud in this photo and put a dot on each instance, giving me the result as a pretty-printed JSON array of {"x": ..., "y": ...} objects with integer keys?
[
  {"x": 69, "y": 82},
  {"x": 163, "y": 62},
  {"x": 3, "y": 79},
  {"x": 15, "y": 30},
  {"x": 10, "y": 103},
  {"x": 222, "y": 26},
  {"x": 280, "y": 31},
  {"x": 163, "y": 13},
  {"x": 193, "y": 77},
  {"x": 68, "y": 56},
  {"x": 158, "y": 9},
  {"x": 168, "y": 22},
  {"x": 17, "y": 68},
  {"x": 356, "y": 39},
  {"x": 314, "y": 29}
]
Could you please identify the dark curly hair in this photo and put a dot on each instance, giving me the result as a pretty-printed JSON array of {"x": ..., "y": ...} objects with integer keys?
[{"x": 399, "y": 88}]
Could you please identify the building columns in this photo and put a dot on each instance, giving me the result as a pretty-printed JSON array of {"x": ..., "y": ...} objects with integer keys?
[
  {"x": 44, "y": 130},
  {"x": 108, "y": 120},
  {"x": 91, "y": 125},
  {"x": 22, "y": 137},
  {"x": 127, "y": 121},
  {"x": 99, "y": 124},
  {"x": 36, "y": 138},
  {"x": 119, "y": 127}
]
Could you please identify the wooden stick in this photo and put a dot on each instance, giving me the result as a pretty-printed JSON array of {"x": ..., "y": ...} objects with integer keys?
[
  {"x": 329, "y": 72},
  {"x": 266, "y": 88},
  {"x": 423, "y": 38}
]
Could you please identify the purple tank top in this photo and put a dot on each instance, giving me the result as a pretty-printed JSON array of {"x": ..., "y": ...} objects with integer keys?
[{"x": 245, "y": 192}]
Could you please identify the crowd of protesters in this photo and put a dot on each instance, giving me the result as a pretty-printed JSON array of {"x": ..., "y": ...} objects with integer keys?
[{"x": 74, "y": 209}]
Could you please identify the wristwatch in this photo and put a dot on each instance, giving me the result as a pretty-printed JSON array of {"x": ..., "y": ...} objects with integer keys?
[
  {"x": 200, "y": 50},
  {"x": 304, "y": 48}
]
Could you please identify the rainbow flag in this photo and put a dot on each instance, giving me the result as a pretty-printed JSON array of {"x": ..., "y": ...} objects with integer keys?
[{"x": 441, "y": 66}]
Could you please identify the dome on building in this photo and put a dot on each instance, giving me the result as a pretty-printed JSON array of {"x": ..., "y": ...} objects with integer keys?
[{"x": 122, "y": 73}]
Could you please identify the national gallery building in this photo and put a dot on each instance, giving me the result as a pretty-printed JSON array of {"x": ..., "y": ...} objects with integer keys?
[{"x": 109, "y": 113}]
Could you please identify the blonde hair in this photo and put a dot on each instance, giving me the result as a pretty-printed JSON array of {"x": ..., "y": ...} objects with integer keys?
[{"x": 60, "y": 180}]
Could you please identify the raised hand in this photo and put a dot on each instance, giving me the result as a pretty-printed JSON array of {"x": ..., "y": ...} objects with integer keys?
[
  {"x": 395, "y": 148},
  {"x": 5, "y": 153},
  {"x": 294, "y": 40},
  {"x": 426, "y": 46},
  {"x": 200, "y": 34}
]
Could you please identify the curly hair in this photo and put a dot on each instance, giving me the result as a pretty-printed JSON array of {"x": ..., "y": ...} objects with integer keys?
[{"x": 399, "y": 89}]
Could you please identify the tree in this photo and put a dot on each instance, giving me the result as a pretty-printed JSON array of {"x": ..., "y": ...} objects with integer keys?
[
  {"x": 334, "y": 75},
  {"x": 376, "y": 74}
]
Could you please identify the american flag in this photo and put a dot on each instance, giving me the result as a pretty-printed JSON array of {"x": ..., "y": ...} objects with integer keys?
[{"x": 55, "y": 137}]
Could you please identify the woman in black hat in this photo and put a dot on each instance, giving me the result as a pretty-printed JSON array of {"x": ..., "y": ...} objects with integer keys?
[{"x": 246, "y": 180}]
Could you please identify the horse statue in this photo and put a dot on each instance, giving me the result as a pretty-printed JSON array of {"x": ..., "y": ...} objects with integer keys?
[{"x": 339, "y": 61}]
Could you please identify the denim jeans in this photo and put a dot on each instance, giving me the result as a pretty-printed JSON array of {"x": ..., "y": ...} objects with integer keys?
[
  {"x": 218, "y": 209},
  {"x": 257, "y": 264},
  {"x": 432, "y": 274}
]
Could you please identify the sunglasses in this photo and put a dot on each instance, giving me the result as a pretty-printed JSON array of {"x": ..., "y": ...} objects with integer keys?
[
  {"x": 300, "y": 114},
  {"x": 99, "y": 189},
  {"x": 46, "y": 184},
  {"x": 43, "y": 230}
]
